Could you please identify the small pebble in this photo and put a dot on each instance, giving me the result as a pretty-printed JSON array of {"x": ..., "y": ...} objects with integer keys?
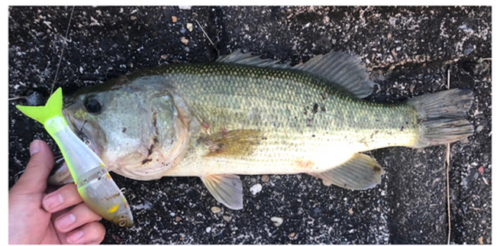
[
  {"x": 226, "y": 218},
  {"x": 394, "y": 54},
  {"x": 184, "y": 40},
  {"x": 133, "y": 18},
  {"x": 174, "y": 18},
  {"x": 256, "y": 188},
  {"x": 183, "y": 30},
  {"x": 479, "y": 128},
  {"x": 215, "y": 210},
  {"x": 412, "y": 87},
  {"x": 265, "y": 178},
  {"x": 351, "y": 211},
  {"x": 164, "y": 57},
  {"x": 292, "y": 235},
  {"x": 208, "y": 229},
  {"x": 326, "y": 19},
  {"x": 189, "y": 26},
  {"x": 277, "y": 221},
  {"x": 177, "y": 218}
]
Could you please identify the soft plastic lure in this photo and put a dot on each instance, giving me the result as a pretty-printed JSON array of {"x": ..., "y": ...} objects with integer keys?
[{"x": 91, "y": 177}]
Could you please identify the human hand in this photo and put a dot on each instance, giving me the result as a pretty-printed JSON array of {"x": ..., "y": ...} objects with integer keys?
[{"x": 59, "y": 217}]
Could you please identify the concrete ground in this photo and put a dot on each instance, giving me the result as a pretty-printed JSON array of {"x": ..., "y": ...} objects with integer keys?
[{"x": 409, "y": 51}]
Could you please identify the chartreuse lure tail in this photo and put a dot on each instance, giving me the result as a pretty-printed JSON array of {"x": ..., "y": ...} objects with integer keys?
[{"x": 93, "y": 181}]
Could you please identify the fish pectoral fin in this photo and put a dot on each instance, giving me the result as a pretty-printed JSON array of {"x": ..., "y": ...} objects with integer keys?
[
  {"x": 226, "y": 189},
  {"x": 60, "y": 174},
  {"x": 360, "y": 172}
]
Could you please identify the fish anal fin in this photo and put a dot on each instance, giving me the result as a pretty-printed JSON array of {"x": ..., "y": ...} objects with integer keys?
[
  {"x": 360, "y": 172},
  {"x": 232, "y": 143},
  {"x": 226, "y": 189}
]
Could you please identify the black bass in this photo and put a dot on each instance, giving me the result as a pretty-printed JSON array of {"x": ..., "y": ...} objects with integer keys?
[{"x": 245, "y": 115}]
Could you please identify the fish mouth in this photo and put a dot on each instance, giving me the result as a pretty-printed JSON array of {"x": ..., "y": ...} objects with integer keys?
[{"x": 84, "y": 130}]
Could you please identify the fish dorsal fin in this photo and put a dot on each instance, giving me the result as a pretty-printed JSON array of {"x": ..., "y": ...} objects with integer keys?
[
  {"x": 342, "y": 69},
  {"x": 360, "y": 172},
  {"x": 237, "y": 57},
  {"x": 337, "y": 67},
  {"x": 226, "y": 189}
]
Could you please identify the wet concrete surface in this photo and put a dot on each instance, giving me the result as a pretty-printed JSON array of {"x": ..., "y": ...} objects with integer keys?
[{"x": 409, "y": 51}]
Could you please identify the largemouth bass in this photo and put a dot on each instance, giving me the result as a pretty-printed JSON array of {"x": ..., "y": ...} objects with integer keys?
[{"x": 245, "y": 115}]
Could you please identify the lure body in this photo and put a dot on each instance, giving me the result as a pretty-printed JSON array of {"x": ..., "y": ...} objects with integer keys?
[{"x": 95, "y": 185}]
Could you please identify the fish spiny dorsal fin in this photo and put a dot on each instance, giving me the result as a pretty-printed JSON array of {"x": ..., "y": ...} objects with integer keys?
[
  {"x": 342, "y": 69},
  {"x": 237, "y": 57}
]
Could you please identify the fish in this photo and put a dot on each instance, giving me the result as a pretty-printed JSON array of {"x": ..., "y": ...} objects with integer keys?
[
  {"x": 244, "y": 115},
  {"x": 92, "y": 179}
]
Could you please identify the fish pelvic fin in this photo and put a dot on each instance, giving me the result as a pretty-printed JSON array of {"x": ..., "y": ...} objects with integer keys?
[
  {"x": 52, "y": 108},
  {"x": 226, "y": 189},
  {"x": 360, "y": 172},
  {"x": 442, "y": 116}
]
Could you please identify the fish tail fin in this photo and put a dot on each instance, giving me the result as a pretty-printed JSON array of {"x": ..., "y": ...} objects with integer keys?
[
  {"x": 442, "y": 116},
  {"x": 52, "y": 108}
]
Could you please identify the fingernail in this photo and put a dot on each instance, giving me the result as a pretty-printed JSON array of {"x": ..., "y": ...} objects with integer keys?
[
  {"x": 74, "y": 236},
  {"x": 52, "y": 201},
  {"x": 34, "y": 147},
  {"x": 65, "y": 221}
]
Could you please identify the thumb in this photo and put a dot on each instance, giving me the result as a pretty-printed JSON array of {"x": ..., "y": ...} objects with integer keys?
[{"x": 34, "y": 178}]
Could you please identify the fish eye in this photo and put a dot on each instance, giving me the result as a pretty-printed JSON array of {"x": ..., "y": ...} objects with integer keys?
[{"x": 92, "y": 104}]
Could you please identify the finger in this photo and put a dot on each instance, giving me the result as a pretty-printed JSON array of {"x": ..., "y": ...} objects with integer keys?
[
  {"x": 91, "y": 233},
  {"x": 34, "y": 179},
  {"x": 62, "y": 198},
  {"x": 75, "y": 217}
]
